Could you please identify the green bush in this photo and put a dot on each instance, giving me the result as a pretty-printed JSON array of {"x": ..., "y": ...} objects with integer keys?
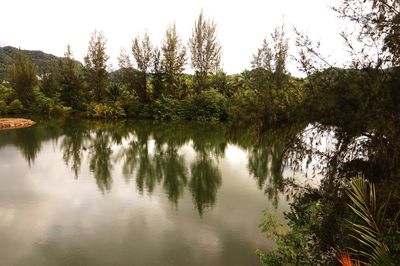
[
  {"x": 5, "y": 93},
  {"x": 15, "y": 107},
  {"x": 3, "y": 107},
  {"x": 44, "y": 104},
  {"x": 106, "y": 111},
  {"x": 245, "y": 105},
  {"x": 209, "y": 105},
  {"x": 167, "y": 108}
]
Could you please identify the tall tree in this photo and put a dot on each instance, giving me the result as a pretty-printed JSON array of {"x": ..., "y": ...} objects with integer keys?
[
  {"x": 204, "y": 48},
  {"x": 272, "y": 56},
  {"x": 71, "y": 81},
  {"x": 96, "y": 65},
  {"x": 142, "y": 51},
  {"x": 157, "y": 80},
  {"x": 173, "y": 57},
  {"x": 263, "y": 57},
  {"x": 143, "y": 54},
  {"x": 22, "y": 77}
]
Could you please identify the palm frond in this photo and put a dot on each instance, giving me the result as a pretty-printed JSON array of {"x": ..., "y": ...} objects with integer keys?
[{"x": 368, "y": 232}]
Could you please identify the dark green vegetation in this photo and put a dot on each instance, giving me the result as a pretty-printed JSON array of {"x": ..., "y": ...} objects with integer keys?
[
  {"x": 153, "y": 85},
  {"x": 359, "y": 110},
  {"x": 356, "y": 109}
]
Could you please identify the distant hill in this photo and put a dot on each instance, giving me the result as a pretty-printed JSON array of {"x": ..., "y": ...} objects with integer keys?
[{"x": 44, "y": 62}]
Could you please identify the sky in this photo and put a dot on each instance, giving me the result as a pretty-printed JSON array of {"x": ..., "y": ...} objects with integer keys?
[{"x": 50, "y": 25}]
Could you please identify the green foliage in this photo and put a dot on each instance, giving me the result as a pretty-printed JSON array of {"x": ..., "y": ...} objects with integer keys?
[
  {"x": 173, "y": 58},
  {"x": 3, "y": 107},
  {"x": 96, "y": 66},
  {"x": 167, "y": 108},
  {"x": 44, "y": 104},
  {"x": 6, "y": 93},
  {"x": 43, "y": 62},
  {"x": 106, "y": 111},
  {"x": 15, "y": 107},
  {"x": 245, "y": 106},
  {"x": 22, "y": 77},
  {"x": 71, "y": 82},
  {"x": 205, "y": 50},
  {"x": 300, "y": 244},
  {"x": 209, "y": 105},
  {"x": 371, "y": 226},
  {"x": 49, "y": 84}
]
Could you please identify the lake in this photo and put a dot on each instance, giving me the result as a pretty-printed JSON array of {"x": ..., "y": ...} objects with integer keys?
[{"x": 76, "y": 192}]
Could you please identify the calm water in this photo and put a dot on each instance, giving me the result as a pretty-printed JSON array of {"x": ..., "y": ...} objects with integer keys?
[{"x": 136, "y": 193}]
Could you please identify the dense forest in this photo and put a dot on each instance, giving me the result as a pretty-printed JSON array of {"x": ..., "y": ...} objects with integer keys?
[{"x": 353, "y": 219}]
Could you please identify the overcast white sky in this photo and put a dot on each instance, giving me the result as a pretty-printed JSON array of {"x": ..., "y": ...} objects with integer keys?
[{"x": 50, "y": 25}]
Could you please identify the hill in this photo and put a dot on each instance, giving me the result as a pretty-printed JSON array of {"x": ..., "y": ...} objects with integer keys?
[{"x": 44, "y": 62}]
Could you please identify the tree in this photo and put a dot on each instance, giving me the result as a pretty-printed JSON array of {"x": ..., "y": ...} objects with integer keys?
[
  {"x": 204, "y": 48},
  {"x": 173, "y": 57},
  {"x": 96, "y": 65},
  {"x": 71, "y": 81},
  {"x": 142, "y": 51},
  {"x": 378, "y": 24},
  {"x": 143, "y": 54},
  {"x": 157, "y": 80},
  {"x": 272, "y": 56},
  {"x": 263, "y": 57},
  {"x": 22, "y": 77}
]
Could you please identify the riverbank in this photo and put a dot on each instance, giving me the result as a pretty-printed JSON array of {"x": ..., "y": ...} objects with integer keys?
[{"x": 9, "y": 123}]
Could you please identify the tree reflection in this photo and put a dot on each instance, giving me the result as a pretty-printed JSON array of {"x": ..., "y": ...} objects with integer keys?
[
  {"x": 265, "y": 164},
  {"x": 204, "y": 183},
  {"x": 73, "y": 144},
  {"x": 99, "y": 162},
  {"x": 154, "y": 154},
  {"x": 174, "y": 171}
]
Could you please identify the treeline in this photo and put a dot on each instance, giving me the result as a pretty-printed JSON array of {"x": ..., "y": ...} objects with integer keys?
[{"x": 150, "y": 82}]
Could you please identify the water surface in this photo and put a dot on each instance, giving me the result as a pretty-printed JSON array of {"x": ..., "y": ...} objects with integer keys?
[{"x": 75, "y": 192}]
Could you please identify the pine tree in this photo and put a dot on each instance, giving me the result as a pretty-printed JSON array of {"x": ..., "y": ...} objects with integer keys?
[
  {"x": 96, "y": 66},
  {"x": 173, "y": 57},
  {"x": 143, "y": 54},
  {"x": 71, "y": 81},
  {"x": 205, "y": 49},
  {"x": 22, "y": 77},
  {"x": 272, "y": 56}
]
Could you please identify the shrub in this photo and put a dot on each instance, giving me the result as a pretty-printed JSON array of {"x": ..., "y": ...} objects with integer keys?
[
  {"x": 167, "y": 108},
  {"x": 44, "y": 104},
  {"x": 6, "y": 93},
  {"x": 15, "y": 107},
  {"x": 245, "y": 105},
  {"x": 106, "y": 111},
  {"x": 209, "y": 105}
]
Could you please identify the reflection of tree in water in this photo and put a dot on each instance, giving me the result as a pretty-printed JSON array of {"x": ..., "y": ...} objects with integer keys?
[
  {"x": 150, "y": 153},
  {"x": 75, "y": 136},
  {"x": 268, "y": 154},
  {"x": 174, "y": 171},
  {"x": 204, "y": 183},
  {"x": 29, "y": 143},
  {"x": 99, "y": 162},
  {"x": 29, "y": 140},
  {"x": 265, "y": 165}
]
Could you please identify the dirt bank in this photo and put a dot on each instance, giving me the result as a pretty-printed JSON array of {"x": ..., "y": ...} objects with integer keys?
[{"x": 8, "y": 123}]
